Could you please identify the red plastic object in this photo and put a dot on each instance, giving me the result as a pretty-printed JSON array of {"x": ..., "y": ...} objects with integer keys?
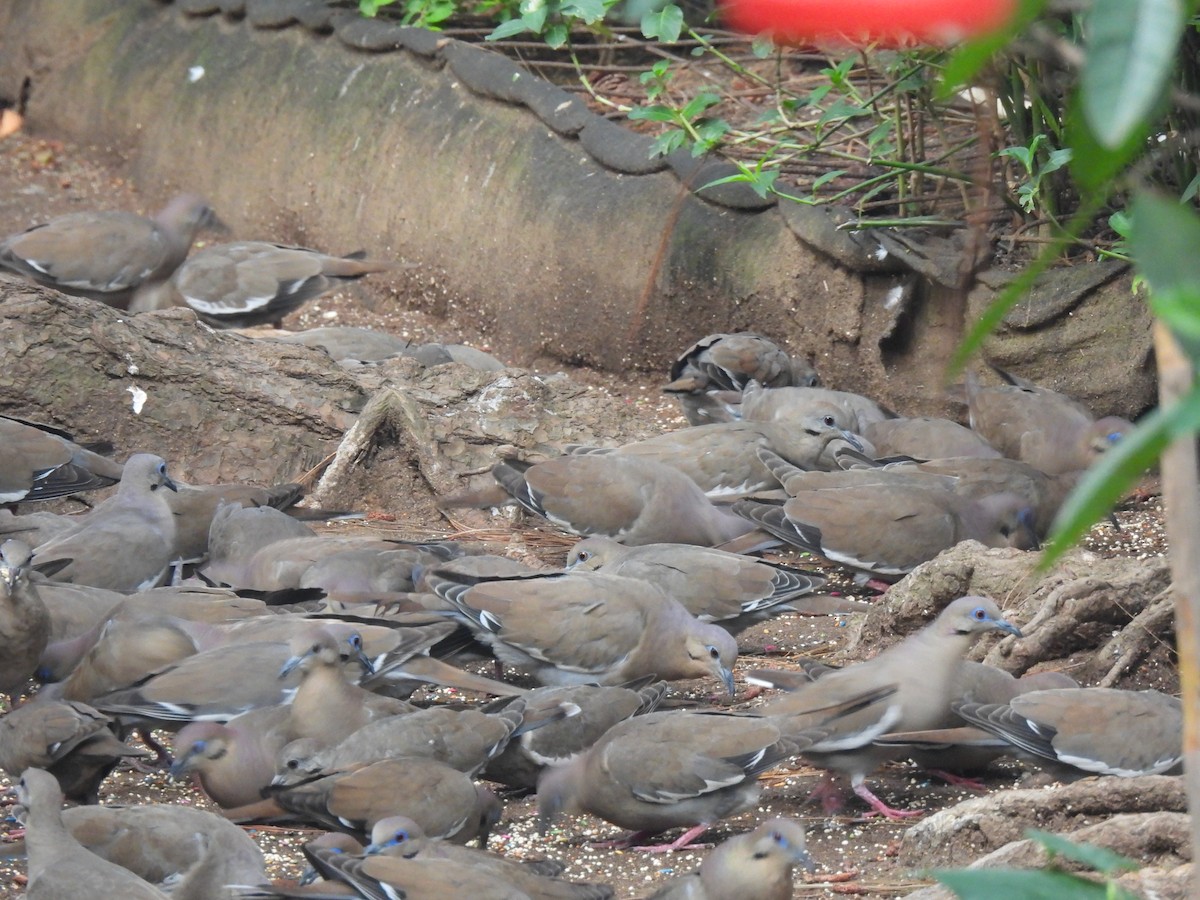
[{"x": 889, "y": 23}]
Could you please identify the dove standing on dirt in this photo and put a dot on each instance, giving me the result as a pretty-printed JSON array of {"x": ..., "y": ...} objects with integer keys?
[
  {"x": 708, "y": 377},
  {"x": 43, "y": 463},
  {"x": 1105, "y": 731},
  {"x": 254, "y": 283},
  {"x": 126, "y": 544},
  {"x": 756, "y": 865},
  {"x": 588, "y": 628},
  {"x": 108, "y": 256},
  {"x": 1040, "y": 426},
  {"x": 921, "y": 669},
  {"x": 24, "y": 620}
]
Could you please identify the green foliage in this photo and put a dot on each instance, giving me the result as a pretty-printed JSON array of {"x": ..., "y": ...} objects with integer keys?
[
  {"x": 1043, "y": 884},
  {"x": 552, "y": 20},
  {"x": 418, "y": 13},
  {"x": 692, "y": 126},
  {"x": 1035, "y": 169},
  {"x": 664, "y": 25},
  {"x": 1131, "y": 52}
]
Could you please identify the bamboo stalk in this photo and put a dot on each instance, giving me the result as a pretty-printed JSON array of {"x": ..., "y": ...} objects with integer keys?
[{"x": 1181, "y": 499}]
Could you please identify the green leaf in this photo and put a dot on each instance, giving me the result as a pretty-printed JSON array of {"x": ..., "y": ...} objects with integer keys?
[
  {"x": 1023, "y": 155},
  {"x": 1189, "y": 192},
  {"x": 665, "y": 25},
  {"x": 1006, "y": 884},
  {"x": 1119, "y": 222},
  {"x": 1099, "y": 858},
  {"x": 712, "y": 130},
  {"x": 668, "y": 142},
  {"x": 556, "y": 36},
  {"x": 655, "y": 113},
  {"x": 1163, "y": 236},
  {"x": 588, "y": 10},
  {"x": 1131, "y": 51},
  {"x": 761, "y": 181},
  {"x": 1058, "y": 159},
  {"x": 699, "y": 104},
  {"x": 1094, "y": 165},
  {"x": 824, "y": 179},
  {"x": 508, "y": 29},
  {"x": 1108, "y": 480}
]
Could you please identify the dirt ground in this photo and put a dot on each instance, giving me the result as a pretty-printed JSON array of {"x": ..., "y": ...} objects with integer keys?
[{"x": 41, "y": 178}]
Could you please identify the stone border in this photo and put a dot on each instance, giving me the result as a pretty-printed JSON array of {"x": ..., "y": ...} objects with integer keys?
[{"x": 491, "y": 74}]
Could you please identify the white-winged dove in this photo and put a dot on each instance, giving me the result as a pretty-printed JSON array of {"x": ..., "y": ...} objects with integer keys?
[
  {"x": 921, "y": 668},
  {"x": 666, "y": 770},
  {"x": 924, "y": 437},
  {"x": 70, "y": 740},
  {"x": 756, "y": 865},
  {"x": 789, "y": 405},
  {"x": 24, "y": 620},
  {"x": 722, "y": 459},
  {"x": 58, "y": 864},
  {"x": 400, "y": 838},
  {"x": 80, "y": 615},
  {"x": 237, "y": 533},
  {"x": 888, "y": 530},
  {"x": 1040, "y": 426},
  {"x": 462, "y": 739},
  {"x": 444, "y": 801},
  {"x": 709, "y": 376},
  {"x": 253, "y": 282},
  {"x": 326, "y": 707},
  {"x": 952, "y": 746},
  {"x": 555, "y": 739},
  {"x": 428, "y": 876},
  {"x": 730, "y": 589},
  {"x": 635, "y": 501},
  {"x": 125, "y": 652},
  {"x": 1104, "y": 731},
  {"x": 682, "y": 768},
  {"x": 216, "y": 684},
  {"x": 108, "y": 256},
  {"x": 127, "y": 545},
  {"x": 306, "y": 561},
  {"x": 157, "y": 842},
  {"x": 42, "y": 463},
  {"x": 34, "y": 528},
  {"x": 233, "y": 761},
  {"x": 195, "y": 505},
  {"x": 971, "y": 477},
  {"x": 588, "y": 628}
]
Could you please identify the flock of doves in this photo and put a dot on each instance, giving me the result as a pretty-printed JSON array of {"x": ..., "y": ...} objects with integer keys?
[{"x": 283, "y": 662}]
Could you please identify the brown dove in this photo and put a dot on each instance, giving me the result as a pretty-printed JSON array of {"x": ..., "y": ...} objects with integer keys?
[
  {"x": 1040, "y": 426},
  {"x": 756, "y": 865},
  {"x": 709, "y": 376},
  {"x": 108, "y": 256},
  {"x": 253, "y": 282},
  {"x": 921, "y": 669},
  {"x": 588, "y": 628},
  {"x": 42, "y": 463}
]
